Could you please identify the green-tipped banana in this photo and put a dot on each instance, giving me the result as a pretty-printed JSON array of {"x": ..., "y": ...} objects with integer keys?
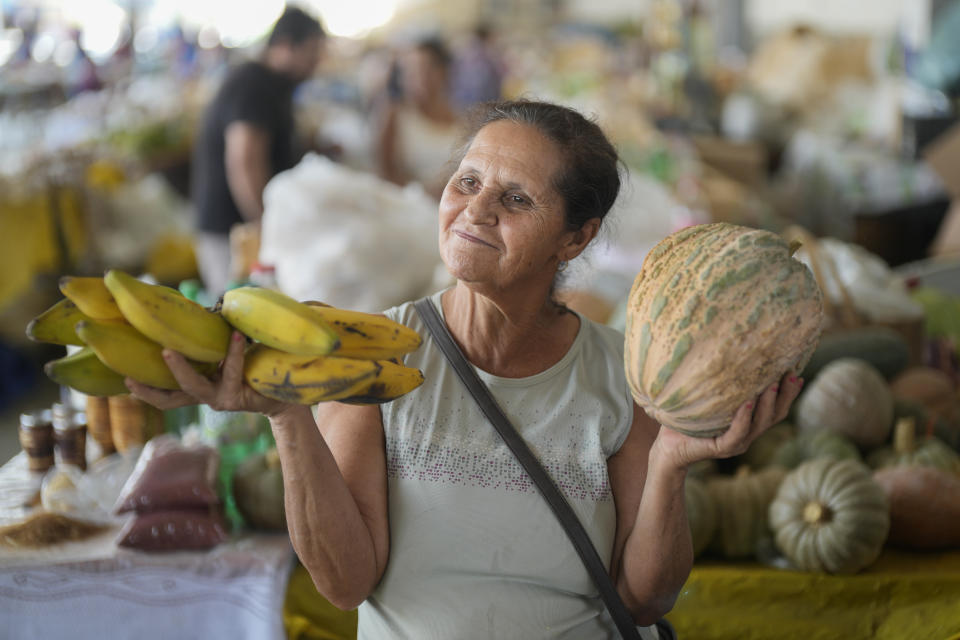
[
  {"x": 392, "y": 381},
  {"x": 84, "y": 372},
  {"x": 278, "y": 321},
  {"x": 91, "y": 296},
  {"x": 366, "y": 335},
  {"x": 56, "y": 324},
  {"x": 302, "y": 379},
  {"x": 169, "y": 318},
  {"x": 130, "y": 353}
]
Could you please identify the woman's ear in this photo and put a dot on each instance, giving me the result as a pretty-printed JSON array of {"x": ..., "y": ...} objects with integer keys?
[{"x": 579, "y": 239}]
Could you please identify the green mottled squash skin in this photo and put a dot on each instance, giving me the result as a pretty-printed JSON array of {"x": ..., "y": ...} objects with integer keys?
[{"x": 717, "y": 314}]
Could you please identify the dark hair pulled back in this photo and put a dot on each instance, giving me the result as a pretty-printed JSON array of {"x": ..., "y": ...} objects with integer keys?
[{"x": 590, "y": 178}]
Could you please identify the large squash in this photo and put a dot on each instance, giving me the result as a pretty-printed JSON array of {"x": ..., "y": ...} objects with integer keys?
[
  {"x": 849, "y": 397},
  {"x": 924, "y": 507},
  {"x": 830, "y": 516},
  {"x": 717, "y": 314}
]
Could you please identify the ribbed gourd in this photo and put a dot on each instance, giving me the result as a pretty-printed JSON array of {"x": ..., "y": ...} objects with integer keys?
[
  {"x": 907, "y": 452},
  {"x": 830, "y": 516},
  {"x": 815, "y": 443},
  {"x": 701, "y": 514},
  {"x": 850, "y": 397},
  {"x": 742, "y": 501},
  {"x": 717, "y": 314}
]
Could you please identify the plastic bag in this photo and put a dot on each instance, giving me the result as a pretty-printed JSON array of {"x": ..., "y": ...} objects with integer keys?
[
  {"x": 347, "y": 238},
  {"x": 89, "y": 496},
  {"x": 170, "y": 475},
  {"x": 175, "y": 530},
  {"x": 876, "y": 291}
]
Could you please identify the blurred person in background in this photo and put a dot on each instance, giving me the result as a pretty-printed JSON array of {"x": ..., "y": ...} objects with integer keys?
[
  {"x": 247, "y": 137},
  {"x": 477, "y": 71},
  {"x": 81, "y": 74},
  {"x": 417, "y": 125}
]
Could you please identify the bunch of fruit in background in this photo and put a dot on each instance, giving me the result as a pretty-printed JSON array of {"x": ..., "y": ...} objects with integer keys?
[{"x": 303, "y": 353}]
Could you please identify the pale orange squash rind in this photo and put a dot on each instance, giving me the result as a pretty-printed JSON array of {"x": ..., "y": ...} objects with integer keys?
[{"x": 717, "y": 314}]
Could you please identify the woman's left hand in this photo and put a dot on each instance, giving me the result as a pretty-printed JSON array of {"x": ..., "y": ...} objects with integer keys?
[{"x": 751, "y": 419}]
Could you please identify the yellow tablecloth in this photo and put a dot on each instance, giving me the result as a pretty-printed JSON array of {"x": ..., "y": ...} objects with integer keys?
[{"x": 903, "y": 596}]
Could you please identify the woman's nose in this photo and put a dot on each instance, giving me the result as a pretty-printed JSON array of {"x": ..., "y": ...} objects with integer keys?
[{"x": 480, "y": 209}]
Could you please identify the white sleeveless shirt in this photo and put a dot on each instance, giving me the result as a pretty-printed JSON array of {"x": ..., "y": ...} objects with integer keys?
[{"x": 475, "y": 552}]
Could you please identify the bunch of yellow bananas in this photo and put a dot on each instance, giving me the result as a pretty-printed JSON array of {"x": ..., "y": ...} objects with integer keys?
[
  {"x": 310, "y": 352},
  {"x": 306, "y": 352}
]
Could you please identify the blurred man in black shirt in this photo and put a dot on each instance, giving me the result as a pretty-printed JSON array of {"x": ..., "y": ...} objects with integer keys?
[{"x": 246, "y": 138}]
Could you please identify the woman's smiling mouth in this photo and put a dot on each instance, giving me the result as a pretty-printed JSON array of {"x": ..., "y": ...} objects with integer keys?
[{"x": 472, "y": 238}]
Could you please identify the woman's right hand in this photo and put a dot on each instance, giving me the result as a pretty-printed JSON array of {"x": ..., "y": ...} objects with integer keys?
[{"x": 225, "y": 392}]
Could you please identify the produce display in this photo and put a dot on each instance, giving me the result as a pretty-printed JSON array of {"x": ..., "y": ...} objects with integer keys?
[
  {"x": 717, "y": 314},
  {"x": 814, "y": 443},
  {"x": 829, "y": 513},
  {"x": 701, "y": 514},
  {"x": 305, "y": 353},
  {"x": 924, "y": 507},
  {"x": 882, "y": 347},
  {"x": 830, "y": 516},
  {"x": 849, "y": 397},
  {"x": 762, "y": 450},
  {"x": 907, "y": 452},
  {"x": 742, "y": 501}
]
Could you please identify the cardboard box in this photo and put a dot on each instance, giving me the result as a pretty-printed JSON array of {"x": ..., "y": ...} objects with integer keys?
[
  {"x": 745, "y": 162},
  {"x": 947, "y": 241},
  {"x": 943, "y": 156}
]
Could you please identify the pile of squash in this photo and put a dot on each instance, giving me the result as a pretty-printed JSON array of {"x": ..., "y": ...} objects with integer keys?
[{"x": 869, "y": 458}]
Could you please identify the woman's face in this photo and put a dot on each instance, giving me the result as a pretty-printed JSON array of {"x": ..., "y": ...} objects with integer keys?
[{"x": 501, "y": 220}]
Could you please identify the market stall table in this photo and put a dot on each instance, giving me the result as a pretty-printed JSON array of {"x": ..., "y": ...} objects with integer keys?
[
  {"x": 94, "y": 589},
  {"x": 903, "y": 596}
]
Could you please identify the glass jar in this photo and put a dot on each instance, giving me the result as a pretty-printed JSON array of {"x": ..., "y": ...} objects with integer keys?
[
  {"x": 36, "y": 439},
  {"x": 70, "y": 435}
]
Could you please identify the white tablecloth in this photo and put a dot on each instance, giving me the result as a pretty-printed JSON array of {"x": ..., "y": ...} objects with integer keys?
[{"x": 98, "y": 591}]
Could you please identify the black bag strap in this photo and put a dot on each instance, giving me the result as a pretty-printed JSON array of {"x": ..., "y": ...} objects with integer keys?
[{"x": 558, "y": 504}]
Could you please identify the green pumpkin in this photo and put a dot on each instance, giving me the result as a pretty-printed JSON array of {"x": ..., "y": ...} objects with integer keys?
[
  {"x": 258, "y": 490},
  {"x": 907, "y": 452},
  {"x": 742, "y": 501},
  {"x": 763, "y": 450},
  {"x": 830, "y": 516},
  {"x": 815, "y": 443},
  {"x": 701, "y": 514}
]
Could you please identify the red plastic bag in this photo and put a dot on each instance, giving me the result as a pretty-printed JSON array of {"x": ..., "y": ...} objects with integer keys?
[
  {"x": 171, "y": 476},
  {"x": 186, "y": 529}
]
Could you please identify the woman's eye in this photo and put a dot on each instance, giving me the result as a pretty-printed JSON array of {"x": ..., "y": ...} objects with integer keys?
[
  {"x": 468, "y": 182},
  {"x": 516, "y": 199}
]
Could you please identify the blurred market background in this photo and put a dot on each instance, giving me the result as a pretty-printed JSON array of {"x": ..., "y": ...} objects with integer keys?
[
  {"x": 770, "y": 114},
  {"x": 832, "y": 120}
]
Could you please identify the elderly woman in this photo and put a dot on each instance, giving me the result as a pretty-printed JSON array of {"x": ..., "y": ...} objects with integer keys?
[{"x": 415, "y": 510}]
